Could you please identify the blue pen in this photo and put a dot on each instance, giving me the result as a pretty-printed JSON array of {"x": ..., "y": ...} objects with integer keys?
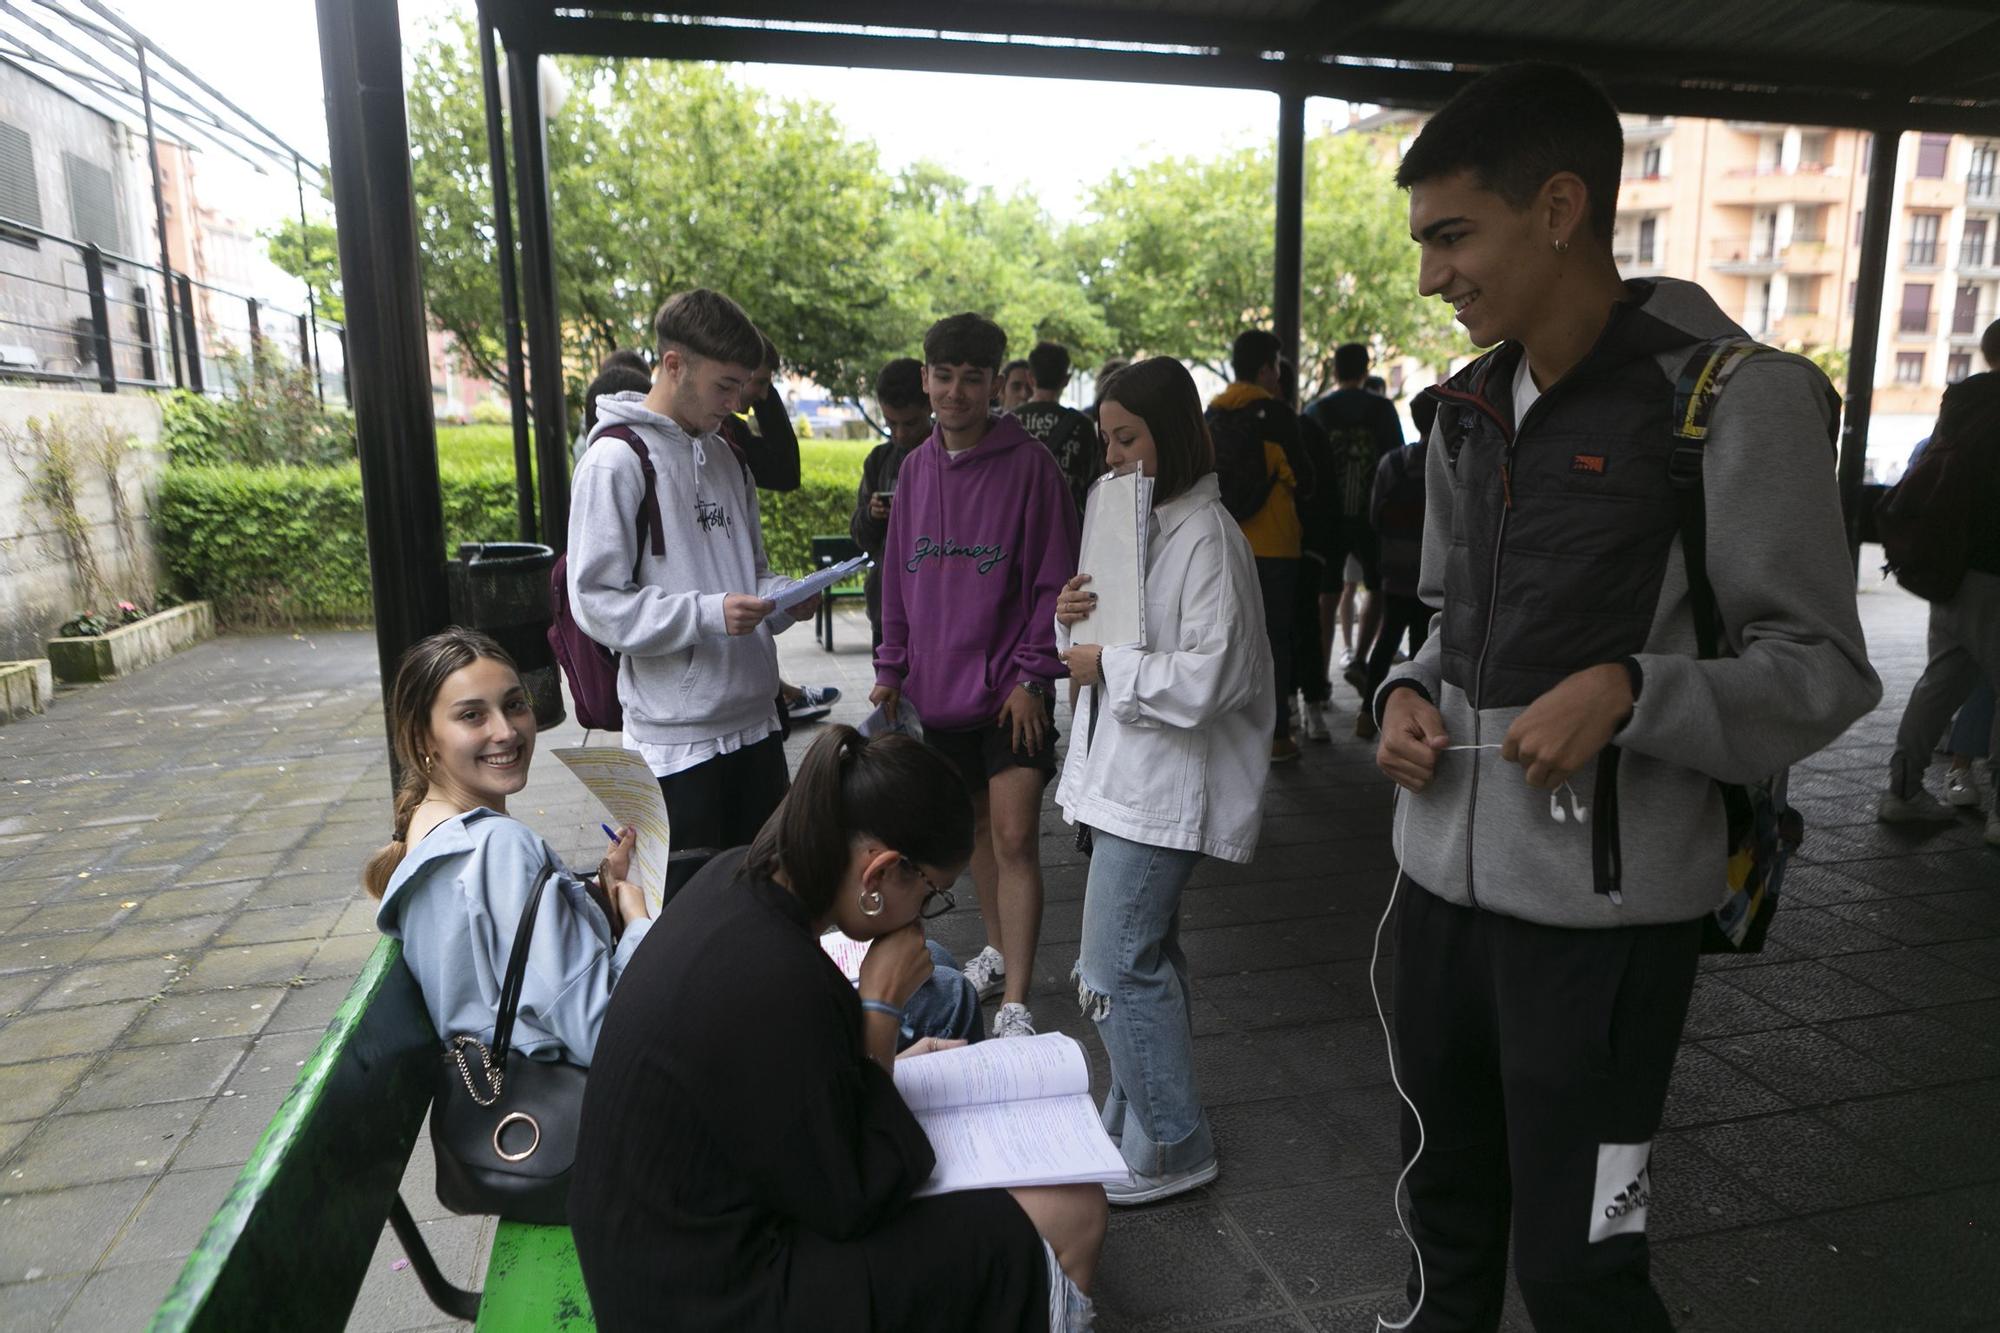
[{"x": 608, "y": 832}]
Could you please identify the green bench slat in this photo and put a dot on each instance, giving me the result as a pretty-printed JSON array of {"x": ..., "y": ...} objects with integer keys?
[
  {"x": 291, "y": 1243},
  {"x": 533, "y": 1284}
]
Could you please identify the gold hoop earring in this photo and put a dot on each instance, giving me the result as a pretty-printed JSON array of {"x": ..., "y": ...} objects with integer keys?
[{"x": 871, "y": 902}]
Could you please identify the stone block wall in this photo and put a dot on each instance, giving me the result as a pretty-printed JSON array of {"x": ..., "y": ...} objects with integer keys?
[{"x": 39, "y": 584}]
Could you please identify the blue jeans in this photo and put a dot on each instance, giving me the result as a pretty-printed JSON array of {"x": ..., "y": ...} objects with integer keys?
[
  {"x": 1973, "y": 726},
  {"x": 944, "y": 1006},
  {"x": 1132, "y": 980}
]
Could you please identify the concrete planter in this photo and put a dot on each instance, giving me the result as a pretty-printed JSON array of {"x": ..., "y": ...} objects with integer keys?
[
  {"x": 129, "y": 647},
  {"x": 25, "y": 688}
]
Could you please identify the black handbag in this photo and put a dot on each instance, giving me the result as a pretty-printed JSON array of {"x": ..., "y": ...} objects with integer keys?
[
  {"x": 503, "y": 1126},
  {"x": 1086, "y": 837}
]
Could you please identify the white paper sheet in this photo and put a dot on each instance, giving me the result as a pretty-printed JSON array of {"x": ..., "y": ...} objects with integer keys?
[
  {"x": 846, "y": 952},
  {"x": 1005, "y": 1113},
  {"x": 1113, "y": 553},
  {"x": 1048, "y": 1141},
  {"x": 818, "y": 581},
  {"x": 1048, "y": 1065},
  {"x": 877, "y": 723},
  {"x": 621, "y": 780}
]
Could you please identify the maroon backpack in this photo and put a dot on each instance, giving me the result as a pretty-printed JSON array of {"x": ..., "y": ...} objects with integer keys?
[{"x": 592, "y": 668}]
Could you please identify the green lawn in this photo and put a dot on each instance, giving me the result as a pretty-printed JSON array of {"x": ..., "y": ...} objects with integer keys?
[{"x": 472, "y": 446}]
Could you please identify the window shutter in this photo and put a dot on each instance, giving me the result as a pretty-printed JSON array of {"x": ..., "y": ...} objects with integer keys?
[
  {"x": 93, "y": 207},
  {"x": 20, "y": 199}
]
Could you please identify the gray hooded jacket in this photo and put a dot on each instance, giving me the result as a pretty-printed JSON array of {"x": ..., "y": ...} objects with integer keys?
[{"x": 1555, "y": 548}]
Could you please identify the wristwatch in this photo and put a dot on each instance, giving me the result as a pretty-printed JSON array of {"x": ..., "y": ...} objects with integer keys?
[{"x": 1039, "y": 690}]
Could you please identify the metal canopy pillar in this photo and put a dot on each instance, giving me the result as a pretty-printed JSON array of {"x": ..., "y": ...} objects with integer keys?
[
  {"x": 1875, "y": 223},
  {"x": 538, "y": 289},
  {"x": 510, "y": 299},
  {"x": 1288, "y": 264},
  {"x": 387, "y": 361}
]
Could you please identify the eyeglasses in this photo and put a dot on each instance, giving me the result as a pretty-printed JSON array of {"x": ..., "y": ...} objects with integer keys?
[{"x": 936, "y": 901}]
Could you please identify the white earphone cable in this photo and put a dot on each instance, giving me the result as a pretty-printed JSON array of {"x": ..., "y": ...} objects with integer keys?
[{"x": 1389, "y": 1042}]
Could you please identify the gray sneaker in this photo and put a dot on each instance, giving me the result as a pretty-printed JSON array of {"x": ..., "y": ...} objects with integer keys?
[
  {"x": 1920, "y": 807},
  {"x": 987, "y": 972},
  {"x": 1150, "y": 1189},
  {"x": 1961, "y": 789},
  {"x": 1013, "y": 1020}
]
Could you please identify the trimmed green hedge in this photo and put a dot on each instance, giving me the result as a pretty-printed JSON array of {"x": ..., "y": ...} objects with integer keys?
[{"x": 285, "y": 545}]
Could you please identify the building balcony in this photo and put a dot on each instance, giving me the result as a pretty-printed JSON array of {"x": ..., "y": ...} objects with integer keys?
[
  {"x": 1647, "y": 194},
  {"x": 1805, "y": 327},
  {"x": 1810, "y": 255},
  {"x": 1982, "y": 191},
  {"x": 1979, "y": 266},
  {"x": 1744, "y": 255},
  {"x": 1806, "y": 184},
  {"x": 1964, "y": 334},
  {"x": 1650, "y": 130},
  {"x": 1916, "y": 327},
  {"x": 1633, "y": 265}
]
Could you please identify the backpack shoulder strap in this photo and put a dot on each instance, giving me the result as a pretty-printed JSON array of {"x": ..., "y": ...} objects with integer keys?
[
  {"x": 1701, "y": 380},
  {"x": 650, "y": 524}
]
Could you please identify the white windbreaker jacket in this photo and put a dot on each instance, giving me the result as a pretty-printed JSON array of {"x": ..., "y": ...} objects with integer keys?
[{"x": 1184, "y": 726}]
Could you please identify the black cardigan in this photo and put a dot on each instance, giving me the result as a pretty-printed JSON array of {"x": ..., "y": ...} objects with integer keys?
[{"x": 743, "y": 1165}]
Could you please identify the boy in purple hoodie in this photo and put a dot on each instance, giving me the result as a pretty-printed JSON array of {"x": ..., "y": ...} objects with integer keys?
[{"x": 982, "y": 536}]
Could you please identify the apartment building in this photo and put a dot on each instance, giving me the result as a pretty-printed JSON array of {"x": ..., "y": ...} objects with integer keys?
[{"x": 1768, "y": 218}]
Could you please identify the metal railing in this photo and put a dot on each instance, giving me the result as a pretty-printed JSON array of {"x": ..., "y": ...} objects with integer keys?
[{"x": 73, "y": 313}]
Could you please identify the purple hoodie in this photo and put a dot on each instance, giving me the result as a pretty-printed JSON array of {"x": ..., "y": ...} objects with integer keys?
[{"x": 979, "y": 545}]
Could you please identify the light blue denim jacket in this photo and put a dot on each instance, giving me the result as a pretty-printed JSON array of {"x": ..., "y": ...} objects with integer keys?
[{"x": 455, "y": 903}]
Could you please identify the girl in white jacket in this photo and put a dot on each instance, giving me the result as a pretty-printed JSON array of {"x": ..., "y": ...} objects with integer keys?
[{"x": 1172, "y": 743}]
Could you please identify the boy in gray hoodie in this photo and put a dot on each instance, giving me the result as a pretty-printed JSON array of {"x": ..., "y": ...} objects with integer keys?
[
  {"x": 1558, "y": 738},
  {"x": 689, "y": 609}
]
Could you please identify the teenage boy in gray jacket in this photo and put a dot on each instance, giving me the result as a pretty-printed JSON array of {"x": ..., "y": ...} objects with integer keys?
[
  {"x": 1561, "y": 835},
  {"x": 690, "y": 614}
]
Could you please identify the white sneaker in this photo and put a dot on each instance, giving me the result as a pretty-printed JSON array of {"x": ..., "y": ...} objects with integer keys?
[
  {"x": 1961, "y": 788},
  {"x": 1149, "y": 1189},
  {"x": 1013, "y": 1020},
  {"x": 1312, "y": 722},
  {"x": 1920, "y": 808},
  {"x": 987, "y": 972}
]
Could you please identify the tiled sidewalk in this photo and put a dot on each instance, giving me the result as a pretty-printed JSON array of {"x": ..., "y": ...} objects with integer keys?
[{"x": 178, "y": 920}]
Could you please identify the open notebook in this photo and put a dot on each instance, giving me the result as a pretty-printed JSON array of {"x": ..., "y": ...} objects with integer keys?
[{"x": 1009, "y": 1112}]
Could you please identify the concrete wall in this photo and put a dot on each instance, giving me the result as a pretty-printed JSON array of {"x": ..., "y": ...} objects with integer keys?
[{"x": 39, "y": 588}]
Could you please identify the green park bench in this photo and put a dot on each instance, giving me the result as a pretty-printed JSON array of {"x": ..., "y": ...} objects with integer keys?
[{"x": 291, "y": 1245}]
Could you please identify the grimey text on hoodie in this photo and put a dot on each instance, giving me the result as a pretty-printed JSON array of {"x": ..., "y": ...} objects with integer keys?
[
  {"x": 683, "y": 678},
  {"x": 979, "y": 545}
]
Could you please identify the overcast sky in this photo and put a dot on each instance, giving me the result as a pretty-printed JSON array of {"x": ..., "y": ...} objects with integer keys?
[{"x": 1054, "y": 137}]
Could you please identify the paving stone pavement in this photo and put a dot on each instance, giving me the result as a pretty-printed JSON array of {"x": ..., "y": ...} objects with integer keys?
[{"x": 179, "y": 919}]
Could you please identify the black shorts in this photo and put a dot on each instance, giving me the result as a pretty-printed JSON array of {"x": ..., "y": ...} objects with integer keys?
[
  {"x": 982, "y": 752},
  {"x": 1355, "y": 537}
]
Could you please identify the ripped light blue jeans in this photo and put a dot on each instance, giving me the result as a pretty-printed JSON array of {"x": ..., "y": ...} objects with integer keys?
[{"x": 1132, "y": 980}]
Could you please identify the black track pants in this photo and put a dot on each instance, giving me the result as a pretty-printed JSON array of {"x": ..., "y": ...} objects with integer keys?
[{"x": 1538, "y": 1057}]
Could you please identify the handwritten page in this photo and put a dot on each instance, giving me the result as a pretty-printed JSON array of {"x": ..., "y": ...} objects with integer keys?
[
  {"x": 818, "y": 581},
  {"x": 1114, "y": 555},
  {"x": 1007, "y": 1113},
  {"x": 621, "y": 780},
  {"x": 1049, "y": 1065},
  {"x": 846, "y": 952}
]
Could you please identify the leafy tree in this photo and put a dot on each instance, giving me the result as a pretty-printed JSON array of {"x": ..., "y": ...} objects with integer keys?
[
  {"x": 1178, "y": 254},
  {"x": 663, "y": 176},
  {"x": 316, "y": 262}
]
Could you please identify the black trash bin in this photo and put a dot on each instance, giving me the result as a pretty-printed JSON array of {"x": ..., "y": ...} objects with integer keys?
[{"x": 502, "y": 589}]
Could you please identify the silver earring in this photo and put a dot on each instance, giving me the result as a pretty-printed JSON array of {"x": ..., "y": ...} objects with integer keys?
[
  {"x": 871, "y": 902},
  {"x": 1562, "y": 246}
]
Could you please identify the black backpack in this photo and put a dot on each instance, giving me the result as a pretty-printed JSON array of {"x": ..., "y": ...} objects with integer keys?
[
  {"x": 1925, "y": 521},
  {"x": 1246, "y": 479}
]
